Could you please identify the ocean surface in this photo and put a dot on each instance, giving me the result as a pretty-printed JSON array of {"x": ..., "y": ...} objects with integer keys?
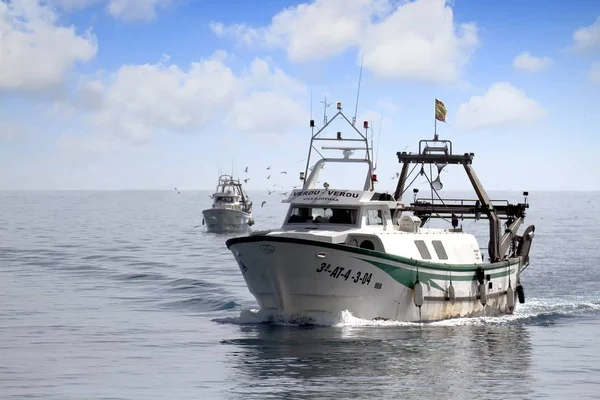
[{"x": 119, "y": 295}]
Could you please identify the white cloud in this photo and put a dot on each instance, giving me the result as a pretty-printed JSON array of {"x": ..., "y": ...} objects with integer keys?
[
  {"x": 501, "y": 105},
  {"x": 414, "y": 40},
  {"x": 37, "y": 53},
  {"x": 420, "y": 40},
  {"x": 90, "y": 94},
  {"x": 141, "y": 99},
  {"x": 528, "y": 63},
  {"x": 594, "y": 74},
  {"x": 587, "y": 38},
  {"x": 309, "y": 31}
]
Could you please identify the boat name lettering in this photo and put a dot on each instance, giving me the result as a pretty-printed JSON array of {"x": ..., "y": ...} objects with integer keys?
[
  {"x": 335, "y": 193},
  {"x": 341, "y": 272}
]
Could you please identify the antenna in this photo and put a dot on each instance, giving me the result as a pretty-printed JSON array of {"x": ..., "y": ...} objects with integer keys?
[
  {"x": 325, "y": 105},
  {"x": 372, "y": 134},
  {"x": 378, "y": 140},
  {"x": 358, "y": 91},
  {"x": 311, "y": 104}
]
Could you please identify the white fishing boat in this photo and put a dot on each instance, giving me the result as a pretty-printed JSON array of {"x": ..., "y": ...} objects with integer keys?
[
  {"x": 231, "y": 210},
  {"x": 369, "y": 253}
]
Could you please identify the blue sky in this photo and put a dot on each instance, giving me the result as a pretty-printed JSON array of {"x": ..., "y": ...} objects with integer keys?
[{"x": 152, "y": 94}]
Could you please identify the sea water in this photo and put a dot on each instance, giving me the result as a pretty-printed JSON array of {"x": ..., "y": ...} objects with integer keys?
[{"x": 119, "y": 295}]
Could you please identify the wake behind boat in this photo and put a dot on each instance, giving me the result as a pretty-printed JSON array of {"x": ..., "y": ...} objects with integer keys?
[
  {"x": 369, "y": 253},
  {"x": 231, "y": 210}
]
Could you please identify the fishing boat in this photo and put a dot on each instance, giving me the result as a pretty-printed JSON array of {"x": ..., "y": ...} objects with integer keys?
[
  {"x": 367, "y": 252},
  {"x": 231, "y": 210}
]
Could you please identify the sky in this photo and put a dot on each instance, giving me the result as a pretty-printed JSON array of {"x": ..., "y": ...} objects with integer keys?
[{"x": 156, "y": 94}]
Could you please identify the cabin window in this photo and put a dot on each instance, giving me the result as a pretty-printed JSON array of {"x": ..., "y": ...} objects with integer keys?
[
  {"x": 318, "y": 215},
  {"x": 225, "y": 200},
  {"x": 423, "y": 249},
  {"x": 439, "y": 249},
  {"x": 367, "y": 244},
  {"x": 374, "y": 217}
]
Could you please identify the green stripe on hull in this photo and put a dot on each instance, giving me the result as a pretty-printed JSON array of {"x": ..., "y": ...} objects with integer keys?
[{"x": 408, "y": 276}]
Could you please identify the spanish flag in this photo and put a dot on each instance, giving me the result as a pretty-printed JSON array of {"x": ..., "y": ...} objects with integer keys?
[{"x": 440, "y": 111}]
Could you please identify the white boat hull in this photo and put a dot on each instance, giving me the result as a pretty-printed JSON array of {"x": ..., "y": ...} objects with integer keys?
[
  {"x": 223, "y": 220},
  {"x": 298, "y": 276}
]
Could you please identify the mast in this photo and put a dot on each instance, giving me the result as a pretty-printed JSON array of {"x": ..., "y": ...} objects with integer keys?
[{"x": 362, "y": 138}]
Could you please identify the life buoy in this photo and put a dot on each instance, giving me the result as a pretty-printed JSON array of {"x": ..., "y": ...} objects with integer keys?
[
  {"x": 482, "y": 294},
  {"x": 451, "y": 293},
  {"x": 510, "y": 297},
  {"x": 521, "y": 294},
  {"x": 418, "y": 294}
]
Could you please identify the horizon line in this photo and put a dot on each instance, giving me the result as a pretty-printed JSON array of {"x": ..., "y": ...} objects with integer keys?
[{"x": 281, "y": 190}]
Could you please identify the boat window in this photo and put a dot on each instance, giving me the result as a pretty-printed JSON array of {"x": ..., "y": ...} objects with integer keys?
[
  {"x": 367, "y": 244},
  {"x": 374, "y": 217},
  {"x": 439, "y": 249},
  {"x": 330, "y": 215},
  {"x": 423, "y": 249},
  {"x": 225, "y": 200}
]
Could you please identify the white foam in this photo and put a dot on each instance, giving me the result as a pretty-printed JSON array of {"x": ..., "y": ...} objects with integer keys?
[{"x": 532, "y": 309}]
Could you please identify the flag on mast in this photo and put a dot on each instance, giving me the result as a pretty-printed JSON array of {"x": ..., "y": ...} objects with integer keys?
[{"x": 440, "y": 111}]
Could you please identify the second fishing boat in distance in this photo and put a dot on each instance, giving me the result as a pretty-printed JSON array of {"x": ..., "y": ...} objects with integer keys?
[
  {"x": 368, "y": 253},
  {"x": 231, "y": 210}
]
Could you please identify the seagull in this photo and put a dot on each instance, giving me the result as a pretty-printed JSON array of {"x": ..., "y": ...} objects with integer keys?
[
  {"x": 246, "y": 170},
  {"x": 246, "y": 180},
  {"x": 269, "y": 167},
  {"x": 269, "y": 177},
  {"x": 295, "y": 187},
  {"x": 262, "y": 204},
  {"x": 284, "y": 172},
  {"x": 284, "y": 193},
  {"x": 270, "y": 191}
]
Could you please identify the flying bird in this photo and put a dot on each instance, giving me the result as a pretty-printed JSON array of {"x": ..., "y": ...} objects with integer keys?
[
  {"x": 246, "y": 170},
  {"x": 270, "y": 191},
  {"x": 284, "y": 172},
  {"x": 269, "y": 167},
  {"x": 246, "y": 180},
  {"x": 284, "y": 193},
  {"x": 262, "y": 204},
  {"x": 269, "y": 177}
]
